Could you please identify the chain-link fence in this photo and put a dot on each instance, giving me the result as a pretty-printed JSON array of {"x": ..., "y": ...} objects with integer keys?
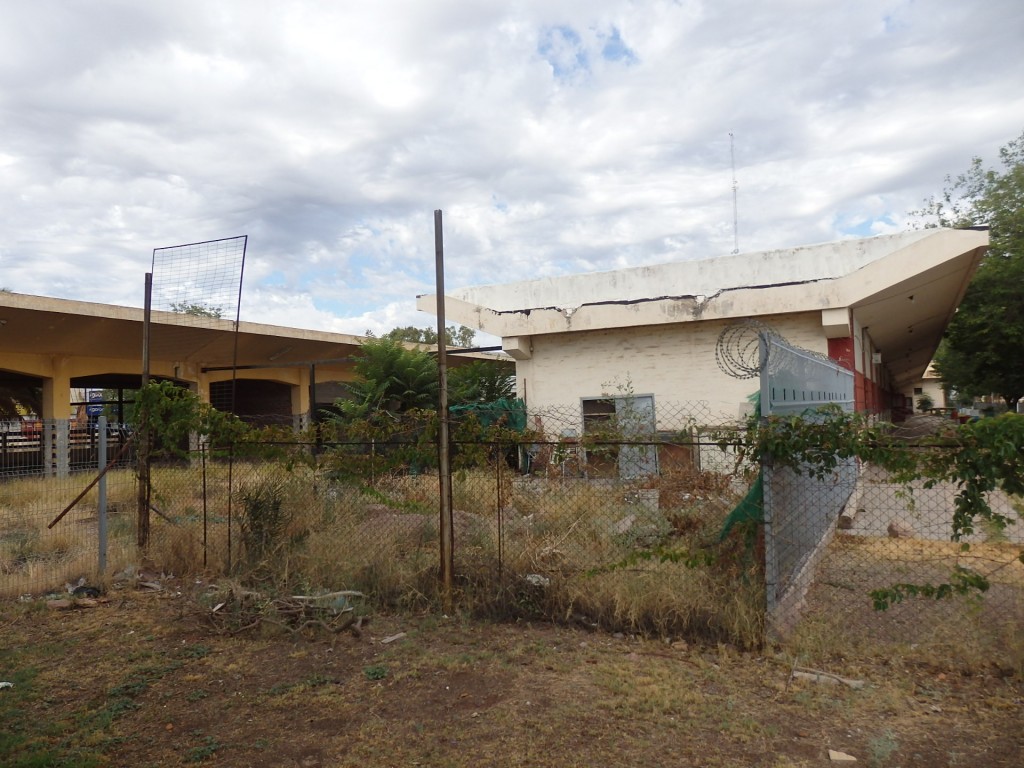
[
  {"x": 892, "y": 533},
  {"x": 606, "y": 514},
  {"x": 60, "y": 519}
]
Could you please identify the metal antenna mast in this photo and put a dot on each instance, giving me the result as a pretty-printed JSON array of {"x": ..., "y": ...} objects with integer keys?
[{"x": 735, "y": 187}]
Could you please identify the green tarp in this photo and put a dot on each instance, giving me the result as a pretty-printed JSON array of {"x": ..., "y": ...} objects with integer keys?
[{"x": 511, "y": 413}]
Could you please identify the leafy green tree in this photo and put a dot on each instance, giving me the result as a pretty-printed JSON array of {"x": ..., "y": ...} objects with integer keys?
[
  {"x": 197, "y": 309},
  {"x": 481, "y": 381},
  {"x": 391, "y": 378},
  {"x": 16, "y": 399},
  {"x": 982, "y": 349},
  {"x": 172, "y": 414},
  {"x": 454, "y": 337}
]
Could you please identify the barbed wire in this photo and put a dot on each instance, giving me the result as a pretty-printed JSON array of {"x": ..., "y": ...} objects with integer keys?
[{"x": 738, "y": 349}]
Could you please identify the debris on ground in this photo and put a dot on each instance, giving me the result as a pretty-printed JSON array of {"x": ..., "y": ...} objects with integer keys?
[
  {"x": 66, "y": 604},
  {"x": 840, "y": 757},
  {"x": 816, "y": 676},
  {"x": 233, "y": 609}
]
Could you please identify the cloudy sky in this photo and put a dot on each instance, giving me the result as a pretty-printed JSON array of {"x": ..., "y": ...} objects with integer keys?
[{"x": 558, "y": 136}]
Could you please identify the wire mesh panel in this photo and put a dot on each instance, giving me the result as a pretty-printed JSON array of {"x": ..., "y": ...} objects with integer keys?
[
  {"x": 200, "y": 281},
  {"x": 800, "y": 508},
  {"x": 198, "y": 285},
  {"x": 21, "y": 447},
  {"x": 192, "y": 285}
]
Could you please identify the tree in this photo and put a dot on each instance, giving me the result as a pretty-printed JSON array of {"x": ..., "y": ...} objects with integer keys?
[
  {"x": 460, "y": 337},
  {"x": 481, "y": 381},
  {"x": 18, "y": 399},
  {"x": 391, "y": 378},
  {"x": 196, "y": 309},
  {"x": 982, "y": 349}
]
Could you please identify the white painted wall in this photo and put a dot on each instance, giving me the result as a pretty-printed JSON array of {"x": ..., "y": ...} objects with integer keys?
[
  {"x": 931, "y": 387},
  {"x": 675, "y": 363}
]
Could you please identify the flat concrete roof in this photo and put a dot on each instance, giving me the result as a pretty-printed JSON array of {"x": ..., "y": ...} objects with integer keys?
[
  {"x": 904, "y": 288},
  {"x": 40, "y": 325}
]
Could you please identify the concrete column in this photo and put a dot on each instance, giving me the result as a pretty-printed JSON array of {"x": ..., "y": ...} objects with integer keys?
[
  {"x": 301, "y": 404},
  {"x": 57, "y": 391},
  {"x": 202, "y": 387},
  {"x": 55, "y": 437}
]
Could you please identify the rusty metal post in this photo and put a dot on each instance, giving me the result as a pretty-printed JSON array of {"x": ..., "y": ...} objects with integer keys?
[
  {"x": 443, "y": 444},
  {"x": 143, "y": 440}
]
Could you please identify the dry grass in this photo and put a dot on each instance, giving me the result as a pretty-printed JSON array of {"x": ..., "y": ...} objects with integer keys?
[
  {"x": 34, "y": 556},
  {"x": 967, "y": 634},
  {"x": 538, "y": 549},
  {"x": 137, "y": 682}
]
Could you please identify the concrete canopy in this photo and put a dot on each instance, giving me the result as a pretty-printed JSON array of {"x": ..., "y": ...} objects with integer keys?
[
  {"x": 59, "y": 344},
  {"x": 901, "y": 288},
  {"x": 45, "y": 326}
]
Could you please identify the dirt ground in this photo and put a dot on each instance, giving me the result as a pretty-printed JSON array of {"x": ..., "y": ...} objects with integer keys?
[{"x": 142, "y": 679}]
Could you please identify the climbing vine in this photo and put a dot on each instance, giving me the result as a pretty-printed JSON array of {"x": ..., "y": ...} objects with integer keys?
[
  {"x": 978, "y": 458},
  {"x": 172, "y": 414}
]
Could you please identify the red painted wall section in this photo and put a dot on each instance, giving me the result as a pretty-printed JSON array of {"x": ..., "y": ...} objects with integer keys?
[
  {"x": 860, "y": 391},
  {"x": 841, "y": 350}
]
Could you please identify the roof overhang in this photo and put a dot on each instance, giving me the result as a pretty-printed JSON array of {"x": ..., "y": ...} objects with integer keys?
[
  {"x": 40, "y": 325},
  {"x": 902, "y": 289}
]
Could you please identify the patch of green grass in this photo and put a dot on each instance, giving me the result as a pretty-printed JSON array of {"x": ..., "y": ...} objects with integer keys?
[
  {"x": 104, "y": 717},
  {"x": 26, "y": 741},
  {"x": 204, "y": 751},
  {"x": 881, "y": 748},
  {"x": 375, "y": 672},
  {"x": 80, "y": 740},
  {"x": 197, "y": 651}
]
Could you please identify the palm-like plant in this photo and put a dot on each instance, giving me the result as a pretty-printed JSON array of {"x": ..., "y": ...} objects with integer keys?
[
  {"x": 482, "y": 381},
  {"x": 391, "y": 378}
]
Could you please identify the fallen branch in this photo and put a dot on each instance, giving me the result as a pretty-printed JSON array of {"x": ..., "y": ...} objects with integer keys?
[{"x": 817, "y": 676}]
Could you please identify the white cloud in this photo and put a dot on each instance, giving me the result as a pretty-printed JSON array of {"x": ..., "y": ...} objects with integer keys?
[{"x": 557, "y": 136}]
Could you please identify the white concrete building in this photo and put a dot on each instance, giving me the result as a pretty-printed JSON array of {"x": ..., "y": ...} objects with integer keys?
[
  {"x": 929, "y": 385},
  {"x": 877, "y": 305}
]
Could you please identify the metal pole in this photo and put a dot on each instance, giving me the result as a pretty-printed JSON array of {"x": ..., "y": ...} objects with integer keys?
[
  {"x": 202, "y": 449},
  {"x": 101, "y": 503},
  {"x": 234, "y": 394},
  {"x": 443, "y": 445},
  {"x": 499, "y": 465},
  {"x": 142, "y": 512},
  {"x": 771, "y": 563},
  {"x": 314, "y": 419}
]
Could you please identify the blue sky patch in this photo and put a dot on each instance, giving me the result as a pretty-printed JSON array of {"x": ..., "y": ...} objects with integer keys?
[
  {"x": 562, "y": 48},
  {"x": 615, "y": 49},
  {"x": 275, "y": 279},
  {"x": 859, "y": 226}
]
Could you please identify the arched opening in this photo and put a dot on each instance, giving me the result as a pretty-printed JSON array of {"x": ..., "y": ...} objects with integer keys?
[{"x": 257, "y": 402}]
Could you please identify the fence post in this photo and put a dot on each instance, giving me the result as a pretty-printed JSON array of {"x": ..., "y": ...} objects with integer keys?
[
  {"x": 446, "y": 526},
  {"x": 771, "y": 563},
  {"x": 202, "y": 448},
  {"x": 142, "y": 446},
  {"x": 101, "y": 503},
  {"x": 499, "y": 461}
]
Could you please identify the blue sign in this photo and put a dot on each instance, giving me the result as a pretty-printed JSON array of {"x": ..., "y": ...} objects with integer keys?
[{"x": 95, "y": 408}]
